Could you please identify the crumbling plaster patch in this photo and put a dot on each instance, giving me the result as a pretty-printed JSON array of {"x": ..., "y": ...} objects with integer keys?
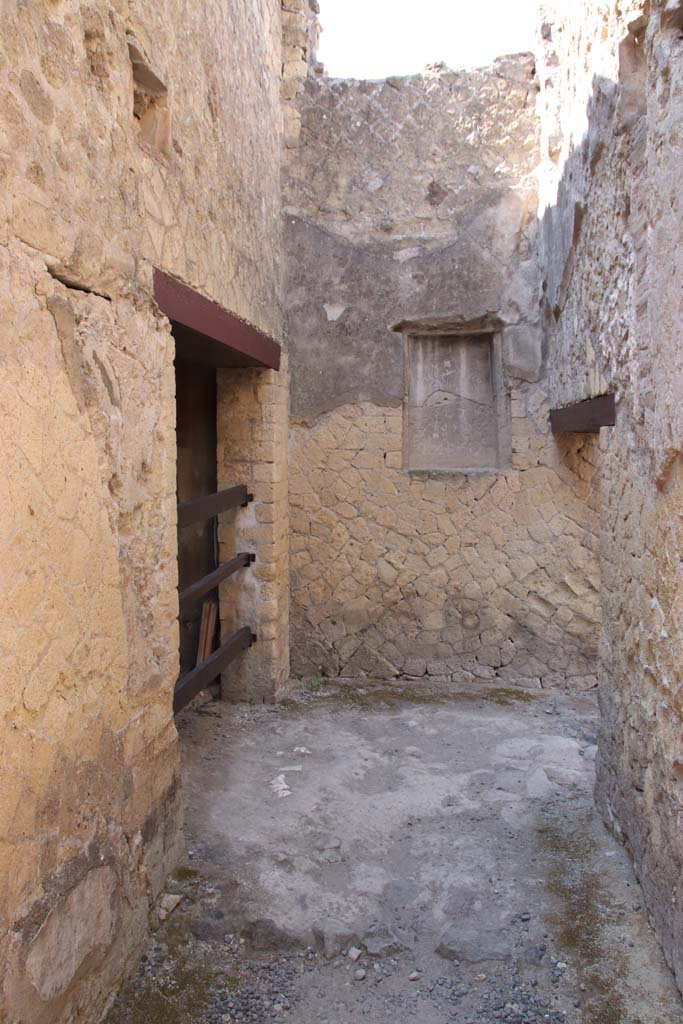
[{"x": 89, "y": 745}]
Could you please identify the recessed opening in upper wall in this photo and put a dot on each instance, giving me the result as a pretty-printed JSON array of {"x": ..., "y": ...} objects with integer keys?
[
  {"x": 150, "y": 103},
  {"x": 385, "y": 38}
]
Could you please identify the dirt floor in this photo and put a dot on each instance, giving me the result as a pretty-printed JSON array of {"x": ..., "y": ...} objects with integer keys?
[{"x": 399, "y": 853}]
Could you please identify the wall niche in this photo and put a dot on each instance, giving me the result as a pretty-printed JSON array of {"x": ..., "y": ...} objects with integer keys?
[
  {"x": 456, "y": 409},
  {"x": 150, "y": 103}
]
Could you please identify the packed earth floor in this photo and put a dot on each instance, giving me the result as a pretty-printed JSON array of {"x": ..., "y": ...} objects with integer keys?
[{"x": 398, "y": 853}]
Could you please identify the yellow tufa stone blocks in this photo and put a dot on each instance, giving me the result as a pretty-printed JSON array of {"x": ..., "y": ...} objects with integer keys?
[
  {"x": 257, "y": 456},
  {"x": 477, "y": 572}
]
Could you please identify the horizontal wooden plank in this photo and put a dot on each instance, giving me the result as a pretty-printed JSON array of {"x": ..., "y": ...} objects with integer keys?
[
  {"x": 221, "y": 336},
  {"x": 198, "y": 509},
  {"x": 193, "y": 682},
  {"x": 584, "y": 417},
  {"x": 212, "y": 579}
]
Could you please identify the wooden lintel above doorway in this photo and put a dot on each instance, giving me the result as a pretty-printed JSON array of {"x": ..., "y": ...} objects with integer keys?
[
  {"x": 584, "y": 417},
  {"x": 204, "y": 332}
]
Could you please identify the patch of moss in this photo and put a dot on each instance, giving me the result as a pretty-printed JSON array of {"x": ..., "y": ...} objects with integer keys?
[
  {"x": 288, "y": 704},
  {"x": 359, "y": 696},
  {"x": 185, "y": 874},
  {"x": 578, "y": 921},
  {"x": 177, "y": 934},
  {"x": 178, "y": 996},
  {"x": 233, "y": 981},
  {"x": 383, "y": 695},
  {"x": 316, "y": 684},
  {"x": 507, "y": 695}
]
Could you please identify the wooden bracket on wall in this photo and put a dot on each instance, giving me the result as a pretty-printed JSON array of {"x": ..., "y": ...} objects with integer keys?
[{"x": 584, "y": 417}]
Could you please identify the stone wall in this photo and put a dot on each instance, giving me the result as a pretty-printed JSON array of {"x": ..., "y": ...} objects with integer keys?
[
  {"x": 300, "y": 35},
  {"x": 411, "y": 204},
  {"x": 253, "y": 406},
  {"x": 129, "y": 134},
  {"x": 612, "y": 108}
]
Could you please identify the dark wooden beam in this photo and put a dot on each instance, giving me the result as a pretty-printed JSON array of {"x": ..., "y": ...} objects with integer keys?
[
  {"x": 219, "y": 338},
  {"x": 584, "y": 417},
  {"x": 197, "y": 509},
  {"x": 193, "y": 682},
  {"x": 212, "y": 579}
]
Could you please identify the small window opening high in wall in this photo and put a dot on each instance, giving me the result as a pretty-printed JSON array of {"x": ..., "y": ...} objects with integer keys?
[{"x": 382, "y": 39}]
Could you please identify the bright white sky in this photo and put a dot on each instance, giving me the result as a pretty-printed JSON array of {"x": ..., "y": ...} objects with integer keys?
[{"x": 378, "y": 38}]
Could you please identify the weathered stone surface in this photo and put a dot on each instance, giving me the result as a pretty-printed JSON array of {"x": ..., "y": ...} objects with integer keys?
[
  {"x": 611, "y": 106},
  {"x": 93, "y": 197},
  {"x": 80, "y": 927},
  {"x": 363, "y": 234},
  {"x": 435, "y": 839},
  {"x": 382, "y": 940},
  {"x": 264, "y": 934},
  {"x": 252, "y": 448},
  {"x": 451, "y": 414},
  {"x": 168, "y": 903},
  {"x": 332, "y": 936},
  {"x": 140, "y": 135},
  {"x": 480, "y": 576}
]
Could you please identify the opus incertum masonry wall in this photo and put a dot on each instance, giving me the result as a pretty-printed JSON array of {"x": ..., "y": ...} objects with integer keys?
[
  {"x": 437, "y": 527},
  {"x": 461, "y": 252}
]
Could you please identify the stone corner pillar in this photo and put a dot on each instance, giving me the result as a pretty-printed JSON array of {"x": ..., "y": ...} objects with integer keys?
[{"x": 252, "y": 427}]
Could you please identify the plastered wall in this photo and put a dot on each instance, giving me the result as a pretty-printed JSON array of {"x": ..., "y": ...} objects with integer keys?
[
  {"x": 101, "y": 182},
  {"x": 611, "y": 108},
  {"x": 411, "y": 204}
]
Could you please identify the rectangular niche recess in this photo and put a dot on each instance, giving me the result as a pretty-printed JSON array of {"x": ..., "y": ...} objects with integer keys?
[{"x": 456, "y": 410}]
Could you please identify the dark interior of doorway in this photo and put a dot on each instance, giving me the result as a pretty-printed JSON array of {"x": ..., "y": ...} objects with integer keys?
[{"x": 196, "y": 476}]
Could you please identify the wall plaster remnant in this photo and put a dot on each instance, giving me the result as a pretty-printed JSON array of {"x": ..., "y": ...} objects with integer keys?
[{"x": 393, "y": 573}]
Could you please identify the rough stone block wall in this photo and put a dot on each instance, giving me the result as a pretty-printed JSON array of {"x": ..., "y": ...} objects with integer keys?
[
  {"x": 129, "y": 133},
  {"x": 482, "y": 577},
  {"x": 411, "y": 203},
  {"x": 300, "y": 35},
  {"x": 615, "y": 314},
  {"x": 90, "y": 793}
]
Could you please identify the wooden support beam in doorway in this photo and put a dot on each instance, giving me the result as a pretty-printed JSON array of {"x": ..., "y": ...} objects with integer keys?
[
  {"x": 193, "y": 682},
  {"x": 208, "y": 505}
]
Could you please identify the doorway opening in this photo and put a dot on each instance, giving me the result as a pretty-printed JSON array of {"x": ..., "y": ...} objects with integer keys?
[
  {"x": 196, "y": 477},
  {"x": 208, "y": 341}
]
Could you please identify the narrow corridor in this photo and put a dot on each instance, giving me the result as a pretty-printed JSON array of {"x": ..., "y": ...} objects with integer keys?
[{"x": 396, "y": 854}]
